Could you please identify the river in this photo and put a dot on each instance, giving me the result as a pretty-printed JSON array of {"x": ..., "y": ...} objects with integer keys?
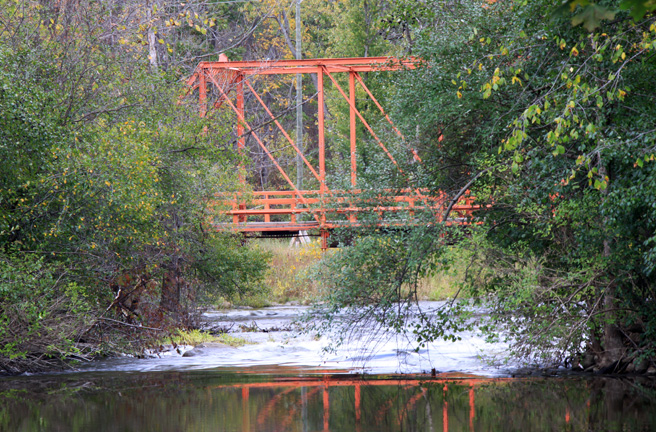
[{"x": 284, "y": 381}]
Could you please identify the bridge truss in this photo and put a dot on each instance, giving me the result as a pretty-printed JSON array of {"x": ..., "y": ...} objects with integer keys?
[{"x": 292, "y": 211}]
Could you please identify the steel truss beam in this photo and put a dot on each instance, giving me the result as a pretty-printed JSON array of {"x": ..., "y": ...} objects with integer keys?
[{"x": 229, "y": 77}]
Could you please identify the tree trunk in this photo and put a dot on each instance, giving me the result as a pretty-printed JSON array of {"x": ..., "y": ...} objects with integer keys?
[
  {"x": 171, "y": 283},
  {"x": 613, "y": 346}
]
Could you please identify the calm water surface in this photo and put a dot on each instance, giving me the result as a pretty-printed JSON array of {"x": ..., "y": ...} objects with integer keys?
[{"x": 230, "y": 401}]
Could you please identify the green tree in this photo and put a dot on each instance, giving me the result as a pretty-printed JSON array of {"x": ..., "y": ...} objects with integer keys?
[
  {"x": 107, "y": 187},
  {"x": 549, "y": 127}
]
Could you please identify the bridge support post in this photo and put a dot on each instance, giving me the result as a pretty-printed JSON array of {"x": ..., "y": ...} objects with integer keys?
[
  {"x": 322, "y": 142},
  {"x": 352, "y": 126},
  {"x": 324, "y": 239},
  {"x": 202, "y": 95},
  {"x": 241, "y": 142},
  {"x": 353, "y": 132},
  {"x": 322, "y": 161}
]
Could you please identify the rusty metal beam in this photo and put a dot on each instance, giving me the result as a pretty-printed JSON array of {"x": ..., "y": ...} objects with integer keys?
[{"x": 373, "y": 63}]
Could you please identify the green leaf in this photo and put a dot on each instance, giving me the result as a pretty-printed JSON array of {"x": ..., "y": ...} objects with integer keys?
[
  {"x": 591, "y": 16},
  {"x": 559, "y": 150},
  {"x": 638, "y": 8}
]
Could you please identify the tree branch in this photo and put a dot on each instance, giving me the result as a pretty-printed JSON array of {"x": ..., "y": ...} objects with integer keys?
[{"x": 462, "y": 192}]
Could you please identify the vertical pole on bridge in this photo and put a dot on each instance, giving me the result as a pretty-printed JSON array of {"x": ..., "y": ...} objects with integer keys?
[
  {"x": 241, "y": 142},
  {"x": 353, "y": 136},
  {"x": 352, "y": 126},
  {"x": 322, "y": 161},
  {"x": 322, "y": 142},
  {"x": 202, "y": 93}
]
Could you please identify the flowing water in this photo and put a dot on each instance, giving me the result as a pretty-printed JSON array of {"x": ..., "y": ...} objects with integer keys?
[{"x": 284, "y": 381}]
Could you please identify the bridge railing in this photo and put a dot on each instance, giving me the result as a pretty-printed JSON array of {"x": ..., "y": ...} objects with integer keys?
[{"x": 302, "y": 210}]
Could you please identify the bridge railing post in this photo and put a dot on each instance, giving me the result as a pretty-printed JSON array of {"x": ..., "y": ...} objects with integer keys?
[
  {"x": 267, "y": 216},
  {"x": 235, "y": 207}
]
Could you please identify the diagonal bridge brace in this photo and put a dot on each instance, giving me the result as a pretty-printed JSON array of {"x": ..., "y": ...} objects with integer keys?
[
  {"x": 229, "y": 76},
  {"x": 259, "y": 141},
  {"x": 373, "y": 134}
]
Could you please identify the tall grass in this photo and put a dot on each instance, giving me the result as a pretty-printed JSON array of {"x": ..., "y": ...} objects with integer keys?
[
  {"x": 449, "y": 279},
  {"x": 197, "y": 337},
  {"x": 287, "y": 278}
]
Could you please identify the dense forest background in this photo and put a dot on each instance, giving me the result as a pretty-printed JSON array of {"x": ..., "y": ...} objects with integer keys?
[{"x": 108, "y": 174}]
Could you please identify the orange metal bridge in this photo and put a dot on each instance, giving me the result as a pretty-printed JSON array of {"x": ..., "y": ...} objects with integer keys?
[{"x": 322, "y": 209}]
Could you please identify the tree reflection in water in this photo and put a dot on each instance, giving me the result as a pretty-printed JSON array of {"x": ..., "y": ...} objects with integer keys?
[{"x": 229, "y": 401}]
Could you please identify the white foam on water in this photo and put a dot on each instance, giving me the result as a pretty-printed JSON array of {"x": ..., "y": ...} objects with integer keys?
[{"x": 379, "y": 353}]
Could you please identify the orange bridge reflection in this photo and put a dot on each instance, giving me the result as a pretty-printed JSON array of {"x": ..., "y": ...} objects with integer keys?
[{"x": 399, "y": 405}]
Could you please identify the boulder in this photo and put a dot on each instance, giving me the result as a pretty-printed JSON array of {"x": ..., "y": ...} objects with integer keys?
[
  {"x": 193, "y": 352},
  {"x": 641, "y": 365}
]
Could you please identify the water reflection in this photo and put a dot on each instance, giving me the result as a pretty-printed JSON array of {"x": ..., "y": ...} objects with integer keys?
[{"x": 228, "y": 401}]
